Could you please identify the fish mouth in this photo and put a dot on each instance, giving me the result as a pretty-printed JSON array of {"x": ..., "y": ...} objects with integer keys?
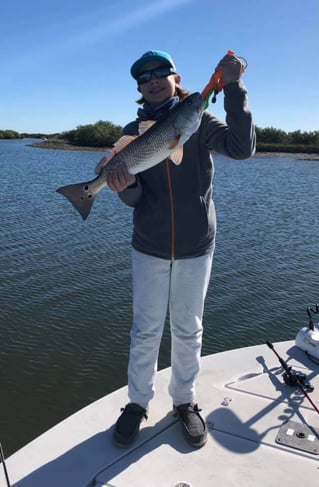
[
  {"x": 199, "y": 102},
  {"x": 199, "y": 107}
]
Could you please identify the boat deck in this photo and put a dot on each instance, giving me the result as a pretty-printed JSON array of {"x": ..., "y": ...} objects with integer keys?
[{"x": 261, "y": 432}]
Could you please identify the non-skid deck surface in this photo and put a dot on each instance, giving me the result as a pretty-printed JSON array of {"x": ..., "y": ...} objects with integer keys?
[{"x": 245, "y": 403}]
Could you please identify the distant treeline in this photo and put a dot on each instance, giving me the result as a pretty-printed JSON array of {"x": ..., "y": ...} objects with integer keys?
[
  {"x": 9, "y": 134},
  {"x": 276, "y": 140},
  {"x": 101, "y": 134},
  {"x": 105, "y": 133}
]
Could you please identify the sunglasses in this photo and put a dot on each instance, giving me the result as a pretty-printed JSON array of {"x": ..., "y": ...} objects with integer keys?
[{"x": 162, "y": 72}]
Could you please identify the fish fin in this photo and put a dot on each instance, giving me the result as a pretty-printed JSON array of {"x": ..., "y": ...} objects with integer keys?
[
  {"x": 117, "y": 147},
  {"x": 177, "y": 156},
  {"x": 81, "y": 197},
  {"x": 174, "y": 143},
  {"x": 123, "y": 142},
  {"x": 145, "y": 125}
]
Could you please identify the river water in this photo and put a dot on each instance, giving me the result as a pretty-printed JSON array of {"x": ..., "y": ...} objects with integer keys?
[{"x": 65, "y": 295}]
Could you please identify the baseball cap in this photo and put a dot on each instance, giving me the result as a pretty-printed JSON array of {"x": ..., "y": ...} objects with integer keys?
[{"x": 149, "y": 57}]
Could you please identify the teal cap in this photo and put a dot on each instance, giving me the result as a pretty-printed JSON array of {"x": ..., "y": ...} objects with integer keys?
[{"x": 161, "y": 57}]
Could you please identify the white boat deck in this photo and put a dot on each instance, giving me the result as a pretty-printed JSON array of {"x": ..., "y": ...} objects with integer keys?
[{"x": 245, "y": 403}]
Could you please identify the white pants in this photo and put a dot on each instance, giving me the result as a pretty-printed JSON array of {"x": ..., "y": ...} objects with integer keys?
[{"x": 181, "y": 286}]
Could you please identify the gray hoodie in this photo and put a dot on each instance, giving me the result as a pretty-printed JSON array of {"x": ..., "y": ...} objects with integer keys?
[{"x": 174, "y": 214}]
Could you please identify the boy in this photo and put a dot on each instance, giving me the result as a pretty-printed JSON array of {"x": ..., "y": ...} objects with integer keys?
[{"x": 173, "y": 239}]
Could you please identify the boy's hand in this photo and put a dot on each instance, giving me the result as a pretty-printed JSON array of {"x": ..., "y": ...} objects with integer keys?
[
  {"x": 231, "y": 67},
  {"x": 119, "y": 178}
]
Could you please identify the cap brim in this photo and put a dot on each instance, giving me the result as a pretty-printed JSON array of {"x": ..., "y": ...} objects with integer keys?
[{"x": 141, "y": 65}]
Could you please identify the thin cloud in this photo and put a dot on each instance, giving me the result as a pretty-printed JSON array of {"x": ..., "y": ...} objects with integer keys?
[
  {"x": 81, "y": 32},
  {"x": 132, "y": 19}
]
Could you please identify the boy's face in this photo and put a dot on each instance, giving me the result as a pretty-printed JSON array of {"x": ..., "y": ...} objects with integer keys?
[{"x": 158, "y": 89}]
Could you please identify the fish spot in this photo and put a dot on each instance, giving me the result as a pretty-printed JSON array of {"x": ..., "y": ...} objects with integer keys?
[{"x": 86, "y": 187}]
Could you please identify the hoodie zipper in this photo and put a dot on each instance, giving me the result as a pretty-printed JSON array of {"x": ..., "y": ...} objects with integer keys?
[{"x": 171, "y": 200}]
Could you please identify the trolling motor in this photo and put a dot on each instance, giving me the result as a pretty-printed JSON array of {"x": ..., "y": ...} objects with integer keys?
[{"x": 307, "y": 338}]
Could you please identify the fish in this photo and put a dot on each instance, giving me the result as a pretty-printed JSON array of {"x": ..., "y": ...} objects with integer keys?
[{"x": 163, "y": 139}]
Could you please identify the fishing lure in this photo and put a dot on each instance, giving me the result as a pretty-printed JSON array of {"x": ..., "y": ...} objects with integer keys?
[{"x": 216, "y": 82}]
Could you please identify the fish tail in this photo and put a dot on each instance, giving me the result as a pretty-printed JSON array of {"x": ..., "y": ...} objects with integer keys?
[{"x": 81, "y": 196}]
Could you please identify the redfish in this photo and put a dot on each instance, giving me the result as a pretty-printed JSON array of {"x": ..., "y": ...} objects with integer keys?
[{"x": 164, "y": 139}]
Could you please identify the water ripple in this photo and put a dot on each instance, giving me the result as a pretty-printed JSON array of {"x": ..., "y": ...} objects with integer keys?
[{"x": 66, "y": 284}]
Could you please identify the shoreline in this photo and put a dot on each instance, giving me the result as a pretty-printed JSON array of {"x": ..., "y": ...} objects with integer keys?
[
  {"x": 304, "y": 156},
  {"x": 62, "y": 145}
]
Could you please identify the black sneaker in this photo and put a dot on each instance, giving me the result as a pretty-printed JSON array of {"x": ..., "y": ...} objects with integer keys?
[
  {"x": 194, "y": 427},
  {"x": 128, "y": 424}
]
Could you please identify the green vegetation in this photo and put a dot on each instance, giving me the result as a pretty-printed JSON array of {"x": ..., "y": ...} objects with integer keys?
[
  {"x": 101, "y": 134},
  {"x": 9, "y": 134},
  {"x": 105, "y": 133},
  {"x": 276, "y": 140}
]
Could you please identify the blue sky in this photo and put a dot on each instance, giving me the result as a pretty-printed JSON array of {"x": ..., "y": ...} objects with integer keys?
[{"x": 66, "y": 63}]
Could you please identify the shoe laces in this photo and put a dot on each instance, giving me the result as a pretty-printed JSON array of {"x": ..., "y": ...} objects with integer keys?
[
  {"x": 135, "y": 410},
  {"x": 188, "y": 408}
]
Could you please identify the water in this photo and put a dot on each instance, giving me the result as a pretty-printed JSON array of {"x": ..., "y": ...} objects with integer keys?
[{"x": 65, "y": 296}]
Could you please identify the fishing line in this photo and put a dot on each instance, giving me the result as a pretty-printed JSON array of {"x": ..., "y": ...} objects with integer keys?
[{"x": 4, "y": 466}]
